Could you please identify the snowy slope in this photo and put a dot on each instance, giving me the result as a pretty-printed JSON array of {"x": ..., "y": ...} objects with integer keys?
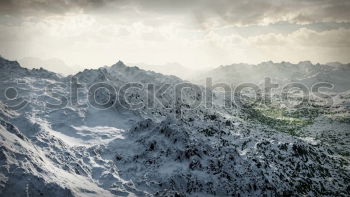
[{"x": 78, "y": 150}]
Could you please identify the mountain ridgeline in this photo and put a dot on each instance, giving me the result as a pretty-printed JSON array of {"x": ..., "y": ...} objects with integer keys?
[
  {"x": 281, "y": 73},
  {"x": 77, "y": 149}
]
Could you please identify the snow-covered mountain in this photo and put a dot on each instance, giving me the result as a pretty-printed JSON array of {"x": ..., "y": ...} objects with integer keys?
[
  {"x": 170, "y": 149},
  {"x": 282, "y": 73}
]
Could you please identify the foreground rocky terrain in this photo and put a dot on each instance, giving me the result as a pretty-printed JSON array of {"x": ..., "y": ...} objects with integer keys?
[{"x": 169, "y": 149}]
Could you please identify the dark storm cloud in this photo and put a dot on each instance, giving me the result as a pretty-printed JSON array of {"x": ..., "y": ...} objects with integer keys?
[
  {"x": 229, "y": 11},
  {"x": 47, "y": 7}
]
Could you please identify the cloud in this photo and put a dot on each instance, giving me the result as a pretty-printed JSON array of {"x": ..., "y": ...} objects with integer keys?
[
  {"x": 46, "y": 7},
  {"x": 227, "y": 12},
  {"x": 335, "y": 38},
  {"x": 206, "y": 12},
  {"x": 304, "y": 44},
  {"x": 197, "y": 32}
]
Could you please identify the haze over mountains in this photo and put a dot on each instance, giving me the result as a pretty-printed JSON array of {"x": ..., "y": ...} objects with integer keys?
[
  {"x": 171, "y": 148},
  {"x": 170, "y": 69},
  {"x": 284, "y": 72},
  {"x": 53, "y": 65},
  {"x": 281, "y": 73}
]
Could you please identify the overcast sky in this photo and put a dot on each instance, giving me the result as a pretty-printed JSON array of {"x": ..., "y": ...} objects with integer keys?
[{"x": 197, "y": 33}]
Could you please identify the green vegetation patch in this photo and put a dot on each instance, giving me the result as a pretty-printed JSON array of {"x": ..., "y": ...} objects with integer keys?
[{"x": 283, "y": 119}]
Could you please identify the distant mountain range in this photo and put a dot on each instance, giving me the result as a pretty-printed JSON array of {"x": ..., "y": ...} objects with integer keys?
[
  {"x": 53, "y": 64},
  {"x": 169, "y": 69},
  {"x": 282, "y": 73}
]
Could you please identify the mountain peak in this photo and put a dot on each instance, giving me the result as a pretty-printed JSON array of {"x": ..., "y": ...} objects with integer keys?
[
  {"x": 4, "y": 63},
  {"x": 120, "y": 64}
]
